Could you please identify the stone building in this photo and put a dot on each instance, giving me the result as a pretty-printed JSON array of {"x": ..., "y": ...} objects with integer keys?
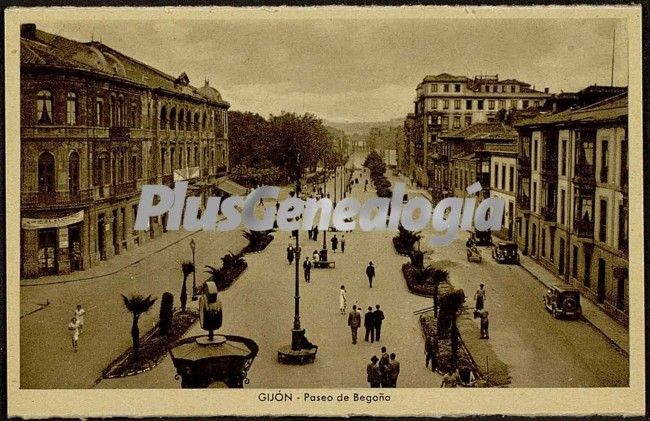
[
  {"x": 572, "y": 198},
  {"x": 447, "y": 103},
  {"x": 95, "y": 126}
]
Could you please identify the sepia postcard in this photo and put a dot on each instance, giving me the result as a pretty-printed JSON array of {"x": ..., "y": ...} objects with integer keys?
[{"x": 276, "y": 211}]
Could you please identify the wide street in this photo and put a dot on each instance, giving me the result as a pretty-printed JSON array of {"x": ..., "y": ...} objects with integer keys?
[{"x": 539, "y": 350}]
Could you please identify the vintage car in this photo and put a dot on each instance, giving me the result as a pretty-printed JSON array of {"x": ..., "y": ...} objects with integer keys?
[
  {"x": 506, "y": 252},
  {"x": 482, "y": 238},
  {"x": 563, "y": 300}
]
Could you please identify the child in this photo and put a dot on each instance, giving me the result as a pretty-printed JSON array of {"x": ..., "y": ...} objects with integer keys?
[
  {"x": 74, "y": 327},
  {"x": 79, "y": 315}
]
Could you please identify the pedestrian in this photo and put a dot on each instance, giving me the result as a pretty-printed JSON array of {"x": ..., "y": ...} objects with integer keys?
[
  {"x": 485, "y": 324},
  {"x": 290, "y": 254},
  {"x": 277, "y": 206},
  {"x": 79, "y": 315},
  {"x": 343, "y": 244},
  {"x": 335, "y": 243},
  {"x": 306, "y": 266},
  {"x": 431, "y": 352},
  {"x": 315, "y": 258},
  {"x": 73, "y": 326},
  {"x": 310, "y": 233},
  {"x": 384, "y": 367},
  {"x": 479, "y": 298},
  {"x": 378, "y": 319},
  {"x": 369, "y": 324},
  {"x": 343, "y": 299},
  {"x": 365, "y": 186},
  {"x": 370, "y": 273},
  {"x": 374, "y": 375},
  {"x": 449, "y": 379},
  {"x": 394, "y": 370},
  {"x": 316, "y": 233},
  {"x": 261, "y": 202},
  {"x": 354, "y": 321}
]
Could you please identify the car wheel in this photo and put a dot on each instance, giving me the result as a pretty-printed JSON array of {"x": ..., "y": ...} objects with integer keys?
[{"x": 556, "y": 314}]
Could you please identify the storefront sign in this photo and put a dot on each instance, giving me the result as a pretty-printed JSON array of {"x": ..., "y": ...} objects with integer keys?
[
  {"x": 63, "y": 238},
  {"x": 38, "y": 223}
]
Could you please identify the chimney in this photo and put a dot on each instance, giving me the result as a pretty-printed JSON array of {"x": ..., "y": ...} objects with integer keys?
[
  {"x": 28, "y": 30},
  {"x": 545, "y": 90}
]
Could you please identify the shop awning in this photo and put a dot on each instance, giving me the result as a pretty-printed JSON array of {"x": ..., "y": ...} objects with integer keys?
[{"x": 232, "y": 188}]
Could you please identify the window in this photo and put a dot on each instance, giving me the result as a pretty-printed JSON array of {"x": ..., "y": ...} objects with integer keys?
[
  {"x": 624, "y": 162},
  {"x": 434, "y": 87},
  {"x": 134, "y": 115},
  {"x": 456, "y": 177},
  {"x": 445, "y": 88},
  {"x": 457, "y": 88},
  {"x": 99, "y": 112},
  {"x": 551, "y": 242},
  {"x": 602, "y": 232},
  {"x": 502, "y": 104},
  {"x": 564, "y": 157},
  {"x": 536, "y": 104},
  {"x": 445, "y": 122},
  {"x": 513, "y": 104},
  {"x": 73, "y": 173},
  {"x": 172, "y": 119},
  {"x": 479, "y": 104},
  {"x": 445, "y": 104},
  {"x": 535, "y": 155},
  {"x": 487, "y": 88},
  {"x": 513, "y": 88},
  {"x": 44, "y": 110},
  {"x": 534, "y": 196},
  {"x": 120, "y": 111},
  {"x": 457, "y": 104},
  {"x": 503, "y": 88},
  {"x": 562, "y": 201},
  {"x": 525, "y": 104},
  {"x": 71, "y": 109},
  {"x": 46, "y": 173},
  {"x": 543, "y": 242},
  {"x": 491, "y": 104},
  {"x": 512, "y": 179},
  {"x": 456, "y": 122},
  {"x": 496, "y": 176},
  {"x": 622, "y": 228},
  {"x": 503, "y": 177},
  {"x": 574, "y": 266},
  {"x": 468, "y": 120},
  {"x": 163, "y": 117},
  {"x": 434, "y": 104},
  {"x": 181, "y": 119},
  {"x": 620, "y": 293},
  {"x": 196, "y": 122},
  {"x": 468, "y": 104},
  {"x": 163, "y": 170},
  {"x": 604, "y": 158}
]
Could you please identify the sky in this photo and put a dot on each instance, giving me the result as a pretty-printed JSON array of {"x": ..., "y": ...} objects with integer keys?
[{"x": 358, "y": 69}]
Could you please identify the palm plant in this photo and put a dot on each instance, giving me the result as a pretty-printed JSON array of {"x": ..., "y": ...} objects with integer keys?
[
  {"x": 437, "y": 277},
  {"x": 137, "y": 304},
  {"x": 217, "y": 275},
  {"x": 187, "y": 268},
  {"x": 451, "y": 305},
  {"x": 408, "y": 238},
  {"x": 231, "y": 260}
]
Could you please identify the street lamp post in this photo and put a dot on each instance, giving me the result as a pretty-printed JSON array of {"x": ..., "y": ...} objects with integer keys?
[{"x": 193, "y": 247}]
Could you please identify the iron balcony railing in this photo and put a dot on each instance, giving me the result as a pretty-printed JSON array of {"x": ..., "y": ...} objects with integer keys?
[
  {"x": 56, "y": 198},
  {"x": 123, "y": 189},
  {"x": 549, "y": 213},
  {"x": 583, "y": 227}
]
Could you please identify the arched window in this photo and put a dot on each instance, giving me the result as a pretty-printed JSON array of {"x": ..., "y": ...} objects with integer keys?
[
  {"x": 73, "y": 173},
  {"x": 180, "y": 158},
  {"x": 163, "y": 170},
  {"x": 196, "y": 156},
  {"x": 181, "y": 119},
  {"x": 46, "y": 173},
  {"x": 204, "y": 121},
  {"x": 172, "y": 159},
  {"x": 188, "y": 120},
  {"x": 196, "y": 122},
  {"x": 120, "y": 111},
  {"x": 44, "y": 110},
  {"x": 163, "y": 117},
  {"x": 172, "y": 119},
  {"x": 71, "y": 109},
  {"x": 188, "y": 161},
  {"x": 134, "y": 114},
  {"x": 113, "y": 114},
  {"x": 99, "y": 112}
]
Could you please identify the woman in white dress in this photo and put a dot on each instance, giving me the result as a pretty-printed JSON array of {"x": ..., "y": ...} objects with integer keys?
[
  {"x": 79, "y": 315},
  {"x": 343, "y": 299},
  {"x": 73, "y": 326}
]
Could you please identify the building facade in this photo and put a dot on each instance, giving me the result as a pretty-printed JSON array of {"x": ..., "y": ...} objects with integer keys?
[
  {"x": 446, "y": 103},
  {"x": 95, "y": 126},
  {"x": 572, "y": 198}
]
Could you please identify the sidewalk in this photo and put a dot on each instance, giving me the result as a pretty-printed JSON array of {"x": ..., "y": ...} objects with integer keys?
[{"x": 593, "y": 314}]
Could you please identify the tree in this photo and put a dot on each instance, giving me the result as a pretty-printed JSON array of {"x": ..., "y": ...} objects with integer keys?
[
  {"x": 187, "y": 268},
  {"x": 166, "y": 312},
  {"x": 137, "y": 304},
  {"x": 451, "y": 305}
]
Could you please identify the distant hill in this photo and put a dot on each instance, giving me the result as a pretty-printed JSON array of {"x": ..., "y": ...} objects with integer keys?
[{"x": 363, "y": 128}]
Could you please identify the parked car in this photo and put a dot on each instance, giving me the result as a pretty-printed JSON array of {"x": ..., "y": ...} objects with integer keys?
[
  {"x": 482, "y": 238},
  {"x": 563, "y": 300},
  {"x": 506, "y": 252}
]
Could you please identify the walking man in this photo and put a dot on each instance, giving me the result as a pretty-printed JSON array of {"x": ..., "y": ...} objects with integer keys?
[
  {"x": 79, "y": 315},
  {"x": 374, "y": 375},
  {"x": 370, "y": 273},
  {"x": 365, "y": 186},
  {"x": 485, "y": 324},
  {"x": 343, "y": 244},
  {"x": 73, "y": 326},
  {"x": 378, "y": 318},
  {"x": 394, "y": 370},
  {"x": 479, "y": 298},
  {"x": 316, "y": 233},
  {"x": 354, "y": 321},
  {"x": 369, "y": 324},
  {"x": 306, "y": 266},
  {"x": 335, "y": 243},
  {"x": 343, "y": 299},
  {"x": 290, "y": 254},
  {"x": 431, "y": 352},
  {"x": 384, "y": 367}
]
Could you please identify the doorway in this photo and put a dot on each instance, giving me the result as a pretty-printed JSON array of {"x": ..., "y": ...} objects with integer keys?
[
  {"x": 74, "y": 248},
  {"x": 600, "y": 294},
  {"x": 101, "y": 236},
  {"x": 47, "y": 262}
]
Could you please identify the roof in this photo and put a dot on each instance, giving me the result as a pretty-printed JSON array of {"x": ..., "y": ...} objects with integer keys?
[
  {"x": 446, "y": 77},
  {"x": 484, "y": 131},
  {"x": 53, "y": 50},
  {"x": 610, "y": 109}
]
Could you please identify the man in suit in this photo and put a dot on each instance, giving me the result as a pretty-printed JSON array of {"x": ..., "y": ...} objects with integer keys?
[
  {"x": 370, "y": 273},
  {"x": 369, "y": 324},
  {"x": 354, "y": 321},
  {"x": 378, "y": 318}
]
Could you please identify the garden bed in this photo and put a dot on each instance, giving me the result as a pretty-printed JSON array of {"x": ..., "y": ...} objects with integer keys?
[
  {"x": 153, "y": 348},
  {"x": 230, "y": 275},
  {"x": 258, "y": 246},
  {"x": 400, "y": 247}
]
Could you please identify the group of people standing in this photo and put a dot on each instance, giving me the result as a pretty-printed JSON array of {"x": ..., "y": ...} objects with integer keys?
[
  {"x": 372, "y": 320},
  {"x": 383, "y": 371}
]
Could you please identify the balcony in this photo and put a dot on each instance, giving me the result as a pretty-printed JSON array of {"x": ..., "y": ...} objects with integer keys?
[
  {"x": 549, "y": 213},
  {"x": 56, "y": 200},
  {"x": 583, "y": 228},
  {"x": 119, "y": 133},
  {"x": 549, "y": 167},
  {"x": 523, "y": 203},
  {"x": 123, "y": 189},
  {"x": 585, "y": 174},
  {"x": 523, "y": 164},
  {"x": 68, "y": 132}
]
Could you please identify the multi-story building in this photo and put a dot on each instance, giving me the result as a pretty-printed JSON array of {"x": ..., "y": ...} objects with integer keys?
[
  {"x": 410, "y": 146},
  {"x": 449, "y": 103},
  {"x": 95, "y": 126},
  {"x": 572, "y": 198}
]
